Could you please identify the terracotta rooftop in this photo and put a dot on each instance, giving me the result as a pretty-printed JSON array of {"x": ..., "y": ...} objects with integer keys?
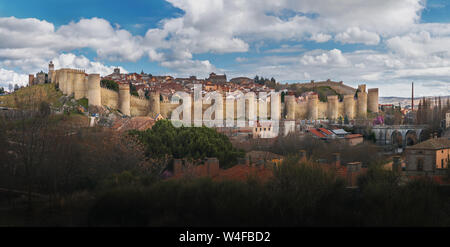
[
  {"x": 351, "y": 136},
  {"x": 327, "y": 132},
  {"x": 433, "y": 144},
  {"x": 317, "y": 133}
]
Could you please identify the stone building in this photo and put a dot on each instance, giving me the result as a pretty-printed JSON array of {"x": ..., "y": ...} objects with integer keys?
[
  {"x": 41, "y": 78},
  {"x": 430, "y": 157},
  {"x": 217, "y": 79},
  {"x": 30, "y": 80},
  {"x": 51, "y": 72}
]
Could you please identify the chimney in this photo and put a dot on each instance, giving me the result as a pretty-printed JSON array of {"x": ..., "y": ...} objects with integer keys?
[
  {"x": 412, "y": 98},
  {"x": 396, "y": 164},
  {"x": 336, "y": 160}
]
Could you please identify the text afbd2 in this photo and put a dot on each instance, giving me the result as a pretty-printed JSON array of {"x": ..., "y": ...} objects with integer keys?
[{"x": 226, "y": 237}]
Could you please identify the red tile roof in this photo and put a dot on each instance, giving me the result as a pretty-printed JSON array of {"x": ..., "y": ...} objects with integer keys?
[
  {"x": 351, "y": 136},
  {"x": 433, "y": 144},
  {"x": 317, "y": 133},
  {"x": 327, "y": 132}
]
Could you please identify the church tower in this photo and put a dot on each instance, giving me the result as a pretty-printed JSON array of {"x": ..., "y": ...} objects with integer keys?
[{"x": 51, "y": 72}]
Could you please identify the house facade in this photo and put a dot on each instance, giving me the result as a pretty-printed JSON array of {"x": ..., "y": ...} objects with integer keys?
[{"x": 430, "y": 157}]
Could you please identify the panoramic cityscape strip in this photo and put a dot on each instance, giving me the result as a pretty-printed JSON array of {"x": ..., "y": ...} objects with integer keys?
[{"x": 205, "y": 120}]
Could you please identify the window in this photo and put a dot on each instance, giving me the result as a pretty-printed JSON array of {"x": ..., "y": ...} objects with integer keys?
[
  {"x": 419, "y": 164},
  {"x": 442, "y": 163}
]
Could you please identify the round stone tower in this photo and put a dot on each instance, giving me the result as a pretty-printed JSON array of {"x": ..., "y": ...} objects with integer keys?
[
  {"x": 63, "y": 80},
  {"x": 70, "y": 82},
  {"x": 290, "y": 107},
  {"x": 79, "y": 86},
  {"x": 155, "y": 104},
  {"x": 250, "y": 107},
  {"x": 349, "y": 106},
  {"x": 51, "y": 72},
  {"x": 124, "y": 99},
  {"x": 56, "y": 75},
  {"x": 94, "y": 93},
  {"x": 313, "y": 109},
  {"x": 362, "y": 101},
  {"x": 332, "y": 107},
  {"x": 275, "y": 106},
  {"x": 372, "y": 100}
]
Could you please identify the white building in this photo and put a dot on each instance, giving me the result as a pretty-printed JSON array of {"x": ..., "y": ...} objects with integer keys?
[{"x": 264, "y": 130}]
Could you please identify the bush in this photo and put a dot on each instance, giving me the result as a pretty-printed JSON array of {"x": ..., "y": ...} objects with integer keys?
[
  {"x": 110, "y": 84},
  {"x": 187, "y": 142}
]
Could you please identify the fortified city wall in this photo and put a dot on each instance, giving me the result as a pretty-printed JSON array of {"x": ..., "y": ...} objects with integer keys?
[{"x": 80, "y": 85}]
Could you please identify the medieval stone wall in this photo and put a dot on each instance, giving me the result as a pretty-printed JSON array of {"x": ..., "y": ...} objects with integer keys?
[
  {"x": 76, "y": 83},
  {"x": 110, "y": 98},
  {"x": 139, "y": 106}
]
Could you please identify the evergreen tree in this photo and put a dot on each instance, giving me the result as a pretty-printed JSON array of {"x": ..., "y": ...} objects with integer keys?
[{"x": 346, "y": 121}]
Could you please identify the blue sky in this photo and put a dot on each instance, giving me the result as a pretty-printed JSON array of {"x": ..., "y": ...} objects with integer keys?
[{"x": 382, "y": 43}]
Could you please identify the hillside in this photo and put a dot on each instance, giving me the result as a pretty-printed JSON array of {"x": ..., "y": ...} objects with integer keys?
[
  {"x": 322, "y": 91},
  {"x": 30, "y": 95},
  {"x": 66, "y": 110}
]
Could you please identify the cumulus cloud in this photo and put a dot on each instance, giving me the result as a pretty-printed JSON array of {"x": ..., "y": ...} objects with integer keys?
[
  {"x": 81, "y": 62},
  {"x": 190, "y": 67},
  {"x": 355, "y": 35},
  {"x": 10, "y": 77},
  {"x": 330, "y": 58},
  {"x": 320, "y": 37}
]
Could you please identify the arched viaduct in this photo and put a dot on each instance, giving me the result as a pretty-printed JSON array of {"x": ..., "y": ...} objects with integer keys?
[{"x": 406, "y": 135}]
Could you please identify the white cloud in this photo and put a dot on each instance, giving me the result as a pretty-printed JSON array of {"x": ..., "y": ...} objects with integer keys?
[
  {"x": 190, "y": 67},
  {"x": 329, "y": 58},
  {"x": 286, "y": 49},
  {"x": 11, "y": 77},
  {"x": 355, "y": 35},
  {"x": 320, "y": 37},
  {"x": 81, "y": 62}
]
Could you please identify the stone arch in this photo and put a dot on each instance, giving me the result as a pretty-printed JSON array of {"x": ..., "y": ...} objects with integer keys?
[
  {"x": 424, "y": 135},
  {"x": 419, "y": 133},
  {"x": 411, "y": 138},
  {"x": 397, "y": 138}
]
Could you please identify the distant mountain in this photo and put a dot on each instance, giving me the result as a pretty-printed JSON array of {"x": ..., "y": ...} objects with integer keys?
[{"x": 407, "y": 101}]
